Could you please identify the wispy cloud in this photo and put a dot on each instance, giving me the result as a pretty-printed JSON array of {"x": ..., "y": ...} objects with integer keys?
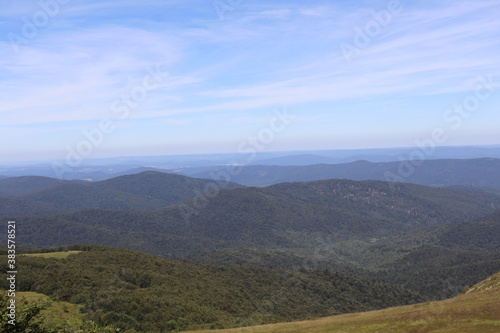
[{"x": 263, "y": 55}]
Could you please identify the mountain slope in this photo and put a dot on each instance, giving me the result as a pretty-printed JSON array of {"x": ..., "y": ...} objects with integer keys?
[
  {"x": 26, "y": 184},
  {"x": 170, "y": 188},
  {"x": 12, "y": 206},
  {"x": 476, "y": 311},
  {"x": 144, "y": 191},
  {"x": 482, "y": 234},
  {"x": 405, "y": 202},
  {"x": 71, "y": 197},
  {"x": 272, "y": 217}
]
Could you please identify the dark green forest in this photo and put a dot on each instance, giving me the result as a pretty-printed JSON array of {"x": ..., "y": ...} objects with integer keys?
[{"x": 138, "y": 292}]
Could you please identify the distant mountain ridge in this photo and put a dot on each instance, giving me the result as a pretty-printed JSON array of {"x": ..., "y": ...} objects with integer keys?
[
  {"x": 144, "y": 191},
  {"x": 105, "y": 168},
  {"x": 27, "y": 184},
  {"x": 483, "y": 172}
]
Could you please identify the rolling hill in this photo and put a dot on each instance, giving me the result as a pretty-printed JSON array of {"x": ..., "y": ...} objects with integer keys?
[
  {"x": 27, "y": 184},
  {"x": 143, "y": 191},
  {"x": 267, "y": 217}
]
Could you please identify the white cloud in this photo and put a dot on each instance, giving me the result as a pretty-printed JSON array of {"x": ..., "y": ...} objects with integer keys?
[{"x": 261, "y": 56}]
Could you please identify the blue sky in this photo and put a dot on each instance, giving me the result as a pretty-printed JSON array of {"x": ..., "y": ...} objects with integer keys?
[{"x": 226, "y": 67}]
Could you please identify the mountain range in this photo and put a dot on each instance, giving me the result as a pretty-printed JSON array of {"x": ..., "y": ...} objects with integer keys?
[
  {"x": 366, "y": 228},
  {"x": 37, "y": 195},
  {"x": 483, "y": 172},
  {"x": 425, "y": 242},
  {"x": 105, "y": 168}
]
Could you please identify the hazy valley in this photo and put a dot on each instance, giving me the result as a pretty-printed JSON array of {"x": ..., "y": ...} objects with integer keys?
[{"x": 228, "y": 255}]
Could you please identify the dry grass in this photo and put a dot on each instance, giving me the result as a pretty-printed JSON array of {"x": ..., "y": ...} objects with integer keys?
[{"x": 58, "y": 313}]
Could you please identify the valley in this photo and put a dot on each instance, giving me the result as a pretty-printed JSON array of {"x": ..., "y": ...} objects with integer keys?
[{"x": 197, "y": 254}]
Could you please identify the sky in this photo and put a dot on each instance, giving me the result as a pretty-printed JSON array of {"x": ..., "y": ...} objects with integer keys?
[{"x": 159, "y": 77}]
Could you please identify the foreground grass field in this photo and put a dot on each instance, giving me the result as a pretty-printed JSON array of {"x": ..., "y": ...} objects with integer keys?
[
  {"x": 58, "y": 313},
  {"x": 477, "y": 310}
]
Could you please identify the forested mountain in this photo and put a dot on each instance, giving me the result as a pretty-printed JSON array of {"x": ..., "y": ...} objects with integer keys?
[
  {"x": 144, "y": 191},
  {"x": 437, "y": 261},
  {"x": 26, "y": 184},
  {"x": 367, "y": 228},
  {"x": 475, "y": 310},
  {"x": 135, "y": 291},
  {"x": 270, "y": 217},
  {"x": 433, "y": 241},
  {"x": 473, "y": 172},
  {"x": 482, "y": 234},
  {"x": 12, "y": 205}
]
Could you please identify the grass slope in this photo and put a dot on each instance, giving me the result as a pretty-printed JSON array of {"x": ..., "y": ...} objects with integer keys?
[
  {"x": 58, "y": 313},
  {"x": 476, "y": 311}
]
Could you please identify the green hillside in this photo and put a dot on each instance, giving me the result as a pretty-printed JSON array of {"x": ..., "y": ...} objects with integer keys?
[
  {"x": 437, "y": 261},
  {"x": 476, "y": 311},
  {"x": 135, "y": 291}
]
